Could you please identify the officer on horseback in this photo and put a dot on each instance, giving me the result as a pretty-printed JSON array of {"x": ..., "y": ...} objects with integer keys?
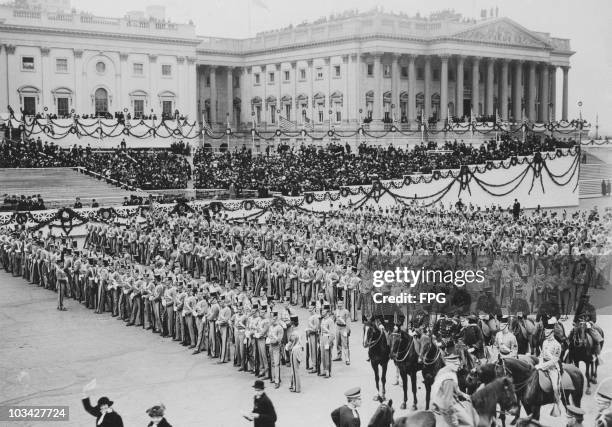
[
  {"x": 586, "y": 312},
  {"x": 471, "y": 335},
  {"x": 447, "y": 396},
  {"x": 549, "y": 361},
  {"x": 445, "y": 329}
]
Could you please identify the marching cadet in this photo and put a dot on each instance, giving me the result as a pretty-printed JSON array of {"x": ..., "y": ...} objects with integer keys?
[
  {"x": 296, "y": 354},
  {"x": 318, "y": 281},
  {"x": 240, "y": 325},
  {"x": 91, "y": 280},
  {"x": 158, "y": 292},
  {"x": 114, "y": 288},
  {"x": 179, "y": 302},
  {"x": 188, "y": 310},
  {"x": 225, "y": 315},
  {"x": 305, "y": 277},
  {"x": 232, "y": 262},
  {"x": 354, "y": 283},
  {"x": 168, "y": 307},
  {"x": 135, "y": 297},
  {"x": 343, "y": 332},
  {"x": 252, "y": 350},
  {"x": 312, "y": 335},
  {"x": 275, "y": 338},
  {"x": 201, "y": 310},
  {"x": 262, "y": 336},
  {"x": 103, "y": 275},
  {"x": 124, "y": 300},
  {"x": 75, "y": 277},
  {"x": 260, "y": 266},
  {"x": 327, "y": 341},
  {"x": 211, "y": 320},
  {"x": 246, "y": 269},
  {"x": 293, "y": 273},
  {"x": 62, "y": 282}
]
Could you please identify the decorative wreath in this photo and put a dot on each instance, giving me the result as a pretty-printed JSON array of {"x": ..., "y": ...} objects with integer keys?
[
  {"x": 489, "y": 165},
  {"x": 248, "y": 205},
  {"x": 514, "y": 161},
  {"x": 278, "y": 132},
  {"x": 436, "y": 175},
  {"x": 215, "y": 207},
  {"x": 330, "y": 133},
  {"x": 344, "y": 192},
  {"x": 309, "y": 198},
  {"x": 393, "y": 129},
  {"x": 303, "y": 132}
]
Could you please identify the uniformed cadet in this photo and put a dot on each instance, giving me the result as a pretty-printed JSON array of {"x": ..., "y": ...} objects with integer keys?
[
  {"x": 327, "y": 340},
  {"x": 188, "y": 315},
  {"x": 168, "y": 305},
  {"x": 261, "y": 335},
  {"x": 211, "y": 319},
  {"x": 275, "y": 338},
  {"x": 343, "y": 331},
  {"x": 223, "y": 322},
  {"x": 201, "y": 310},
  {"x": 312, "y": 335},
  {"x": 296, "y": 354},
  {"x": 252, "y": 349},
  {"x": 240, "y": 340}
]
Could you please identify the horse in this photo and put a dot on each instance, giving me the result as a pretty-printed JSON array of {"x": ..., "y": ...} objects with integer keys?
[
  {"x": 433, "y": 360},
  {"x": 483, "y": 407},
  {"x": 527, "y": 384},
  {"x": 582, "y": 349},
  {"x": 489, "y": 328},
  {"x": 375, "y": 340},
  {"x": 406, "y": 358},
  {"x": 523, "y": 331}
]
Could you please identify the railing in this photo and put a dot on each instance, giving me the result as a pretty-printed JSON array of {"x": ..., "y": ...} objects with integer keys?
[
  {"x": 30, "y": 14},
  {"x": 99, "y": 20}
]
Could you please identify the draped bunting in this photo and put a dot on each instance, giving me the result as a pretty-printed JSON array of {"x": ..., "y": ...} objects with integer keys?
[
  {"x": 142, "y": 129},
  {"x": 464, "y": 179}
]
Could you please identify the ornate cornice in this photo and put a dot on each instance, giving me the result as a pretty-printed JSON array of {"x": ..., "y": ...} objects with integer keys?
[
  {"x": 44, "y": 51},
  {"x": 124, "y": 56},
  {"x": 191, "y": 60},
  {"x": 180, "y": 59},
  {"x": 78, "y": 53},
  {"x": 152, "y": 58},
  {"x": 10, "y": 48}
]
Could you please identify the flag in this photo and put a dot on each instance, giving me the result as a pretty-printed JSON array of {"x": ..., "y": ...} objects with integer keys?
[
  {"x": 308, "y": 124},
  {"x": 206, "y": 126},
  {"x": 261, "y": 4},
  {"x": 285, "y": 124}
]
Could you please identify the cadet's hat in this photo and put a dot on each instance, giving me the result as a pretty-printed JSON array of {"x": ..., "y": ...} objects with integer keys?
[
  {"x": 551, "y": 323},
  {"x": 573, "y": 411},
  {"x": 259, "y": 385},
  {"x": 156, "y": 411},
  {"x": 353, "y": 393},
  {"x": 604, "y": 391}
]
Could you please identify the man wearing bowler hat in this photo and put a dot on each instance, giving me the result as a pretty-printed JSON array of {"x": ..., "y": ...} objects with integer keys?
[
  {"x": 263, "y": 414},
  {"x": 347, "y": 415},
  {"x": 104, "y": 413}
]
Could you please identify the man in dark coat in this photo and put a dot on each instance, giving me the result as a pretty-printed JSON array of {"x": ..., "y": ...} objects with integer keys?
[
  {"x": 347, "y": 415},
  {"x": 263, "y": 414},
  {"x": 156, "y": 413},
  {"x": 104, "y": 413},
  {"x": 516, "y": 209}
]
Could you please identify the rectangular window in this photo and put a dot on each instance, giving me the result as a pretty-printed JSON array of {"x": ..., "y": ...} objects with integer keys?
[
  {"x": 387, "y": 70},
  {"x": 370, "y": 70},
  {"x": 272, "y": 114},
  {"x": 62, "y": 107},
  {"x": 320, "y": 113},
  {"x": 302, "y": 74},
  {"x": 138, "y": 69},
  {"x": 436, "y": 75},
  {"x": 404, "y": 71},
  {"x": 139, "y": 108},
  {"x": 29, "y": 105},
  {"x": 337, "y": 70},
  {"x": 258, "y": 113},
  {"x": 287, "y": 74},
  {"x": 208, "y": 81},
  {"x": 319, "y": 73},
  {"x": 338, "y": 116},
  {"x": 167, "y": 108},
  {"x": 288, "y": 111},
  {"x": 166, "y": 70},
  {"x": 420, "y": 73},
  {"x": 61, "y": 65},
  {"x": 27, "y": 63},
  {"x": 271, "y": 77},
  {"x": 256, "y": 78}
]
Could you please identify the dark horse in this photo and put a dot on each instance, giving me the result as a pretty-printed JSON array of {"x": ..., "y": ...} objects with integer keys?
[
  {"x": 484, "y": 406},
  {"x": 406, "y": 358},
  {"x": 582, "y": 349},
  {"x": 433, "y": 361},
  {"x": 375, "y": 340},
  {"x": 523, "y": 330},
  {"x": 527, "y": 384}
]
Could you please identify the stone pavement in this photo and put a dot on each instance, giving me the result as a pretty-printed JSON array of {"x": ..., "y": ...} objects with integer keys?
[{"x": 47, "y": 356}]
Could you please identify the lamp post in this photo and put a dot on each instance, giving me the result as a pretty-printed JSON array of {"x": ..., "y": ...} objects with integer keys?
[
  {"x": 392, "y": 124},
  {"x": 580, "y": 123}
]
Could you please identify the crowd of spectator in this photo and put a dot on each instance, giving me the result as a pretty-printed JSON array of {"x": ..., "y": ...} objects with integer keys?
[
  {"x": 141, "y": 169},
  {"x": 22, "y": 203},
  {"x": 311, "y": 168}
]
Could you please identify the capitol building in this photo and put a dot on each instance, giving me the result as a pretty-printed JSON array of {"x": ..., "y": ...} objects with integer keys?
[{"x": 337, "y": 71}]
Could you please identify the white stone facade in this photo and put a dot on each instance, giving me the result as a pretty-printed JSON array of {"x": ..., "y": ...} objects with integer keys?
[{"x": 333, "y": 73}]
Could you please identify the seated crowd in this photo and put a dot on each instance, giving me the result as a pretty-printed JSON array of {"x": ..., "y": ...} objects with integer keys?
[
  {"x": 22, "y": 203},
  {"x": 311, "y": 168},
  {"x": 142, "y": 169}
]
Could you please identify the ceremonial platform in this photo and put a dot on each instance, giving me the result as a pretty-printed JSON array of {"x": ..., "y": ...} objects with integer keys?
[{"x": 60, "y": 186}]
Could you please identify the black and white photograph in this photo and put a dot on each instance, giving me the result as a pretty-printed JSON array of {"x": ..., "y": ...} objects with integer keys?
[{"x": 278, "y": 213}]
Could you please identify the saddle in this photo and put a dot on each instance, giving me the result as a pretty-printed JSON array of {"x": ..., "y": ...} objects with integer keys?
[{"x": 546, "y": 383}]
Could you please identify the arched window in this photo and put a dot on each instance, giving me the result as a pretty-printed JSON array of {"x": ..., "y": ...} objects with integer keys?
[
  {"x": 101, "y": 101},
  {"x": 420, "y": 102},
  {"x": 435, "y": 105}
]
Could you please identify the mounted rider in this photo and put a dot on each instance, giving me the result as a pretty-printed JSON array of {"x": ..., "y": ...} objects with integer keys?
[
  {"x": 549, "y": 361},
  {"x": 586, "y": 312},
  {"x": 446, "y": 396},
  {"x": 472, "y": 336},
  {"x": 445, "y": 329},
  {"x": 505, "y": 341}
]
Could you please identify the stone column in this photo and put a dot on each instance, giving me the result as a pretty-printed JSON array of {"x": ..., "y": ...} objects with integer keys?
[
  {"x": 123, "y": 99},
  {"x": 412, "y": 112},
  {"x": 180, "y": 102},
  {"x": 553, "y": 92},
  {"x": 517, "y": 91},
  {"x": 294, "y": 110},
  {"x": 230, "y": 95},
  {"x": 459, "y": 87},
  {"x": 544, "y": 107},
  {"x": 345, "y": 95},
  {"x": 489, "y": 99},
  {"x": 443, "y": 87},
  {"x": 45, "y": 90},
  {"x": 378, "y": 94},
  {"x": 395, "y": 80},
  {"x": 356, "y": 60},
  {"x": 4, "y": 81},
  {"x": 11, "y": 63},
  {"x": 531, "y": 111},
  {"x": 475, "y": 85},
  {"x": 213, "y": 95},
  {"x": 245, "y": 97},
  {"x": 311, "y": 88},
  {"x": 427, "y": 91},
  {"x": 79, "y": 91},
  {"x": 565, "y": 93},
  {"x": 503, "y": 106}
]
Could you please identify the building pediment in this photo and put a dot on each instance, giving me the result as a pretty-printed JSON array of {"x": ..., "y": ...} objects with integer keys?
[{"x": 502, "y": 31}]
